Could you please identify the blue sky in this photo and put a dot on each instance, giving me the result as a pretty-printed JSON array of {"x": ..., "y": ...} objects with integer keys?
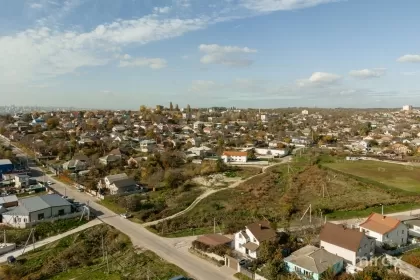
[{"x": 244, "y": 53}]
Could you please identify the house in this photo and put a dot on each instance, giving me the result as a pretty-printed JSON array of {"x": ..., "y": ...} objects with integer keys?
[
  {"x": 198, "y": 125},
  {"x": 248, "y": 240},
  {"x": 119, "y": 184},
  {"x": 385, "y": 229},
  {"x": 350, "y": 244},
  {"x": 8, "y": 201},
  {"x": 75, "y": 165},
  {"x": 214, "y": 240},
  {"x": 23, "y": 181},
  {"x": 109, "y": 159},
  {"x": 311, "y": 262},
  {"x": 232, "y": 156},
  {"x": 37, "y": 208},
  {"x": 147, "y": 146}
]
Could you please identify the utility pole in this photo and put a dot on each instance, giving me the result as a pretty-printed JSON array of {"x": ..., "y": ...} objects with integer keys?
[
  {"x": 382, "y": 209},
  {"x": 214, "y": 225}
]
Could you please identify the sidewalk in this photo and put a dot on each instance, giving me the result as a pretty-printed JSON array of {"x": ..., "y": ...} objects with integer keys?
[{"x": 48, "y": 240}]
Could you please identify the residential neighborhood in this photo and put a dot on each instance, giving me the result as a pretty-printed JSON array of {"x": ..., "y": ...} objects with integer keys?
[{"x": 141, "y": 162}]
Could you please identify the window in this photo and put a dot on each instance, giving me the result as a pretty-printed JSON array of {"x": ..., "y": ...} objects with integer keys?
[
  {"x": 61, "y": 212},
  {"x": 365, "y": 246},
  {"x": 402, "y": 232},
  {"x": 387, "y": 235},
  {"x": 41, "y": 216},
  {"x": 255, "y": 240}
]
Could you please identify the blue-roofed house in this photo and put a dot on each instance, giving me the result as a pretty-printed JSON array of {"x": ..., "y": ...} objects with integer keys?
[{"x": 32, "y": 210}]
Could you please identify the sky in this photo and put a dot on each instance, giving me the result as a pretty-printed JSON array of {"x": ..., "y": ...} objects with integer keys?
[{"x": 120, "y": 54}]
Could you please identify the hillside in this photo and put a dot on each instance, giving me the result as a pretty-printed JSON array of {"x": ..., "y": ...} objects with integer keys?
[
  {"x": 80, "y": 256},
  {"x": 282, "y": 194}
]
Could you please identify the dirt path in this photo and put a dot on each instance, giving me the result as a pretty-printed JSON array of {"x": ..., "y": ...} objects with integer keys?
[{"x": 212, "y": 191}]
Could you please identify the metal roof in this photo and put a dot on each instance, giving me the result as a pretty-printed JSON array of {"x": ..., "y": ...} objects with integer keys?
[
  {"x": 5, "y": 161},
  {"x": 36, "y": 203},
  {"x": 8, "y": 199}
]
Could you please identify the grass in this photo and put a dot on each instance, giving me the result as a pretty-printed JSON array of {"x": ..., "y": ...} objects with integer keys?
[
  {"x": 79, "y": 256},
  {"x": 241, "y": 276},
  {"x": 42, "y": 230},
  {"x": 342, "y": 215},
  {"x": 412, "y": 257},
  {"x": 154, "y": 205},
  {"x": 397, "y": 176},
  {"x": 282, "y": 196}
]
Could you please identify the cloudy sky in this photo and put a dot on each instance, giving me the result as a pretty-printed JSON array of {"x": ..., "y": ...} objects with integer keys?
[{"x": 244, "y": 53}]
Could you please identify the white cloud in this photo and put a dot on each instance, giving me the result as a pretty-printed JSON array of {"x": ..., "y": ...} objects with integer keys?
[
  {"x": 319, "y": 79},
  {"x": 36, "y": 5},
  {"x": 162, "y": 10},
  {"x": 226, "y": 55},
  {"x": 44, "y": 53},
  {"x": 153, "y": 63},
  {"x": 200, "y": 86},
  {"x": 281, "y": 5},
  {"x": 414, "y": 58},
  {"x": 368, "y": 73}
]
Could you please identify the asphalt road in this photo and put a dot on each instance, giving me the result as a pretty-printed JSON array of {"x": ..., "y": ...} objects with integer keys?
[{"x": 173, "y": 250}]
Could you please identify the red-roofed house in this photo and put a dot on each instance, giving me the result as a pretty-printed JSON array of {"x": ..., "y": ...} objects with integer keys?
[
  {"x": 233, "y": 156},
  {"x": 385, "y": 229}
]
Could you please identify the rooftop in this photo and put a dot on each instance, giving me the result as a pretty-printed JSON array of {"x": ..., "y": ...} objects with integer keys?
[{"x": 380, "y": 224}]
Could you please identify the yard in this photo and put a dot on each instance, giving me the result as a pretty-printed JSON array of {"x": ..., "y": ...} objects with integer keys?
[
  {"x": 282, "y": 195},
  {"x": 399, "y": 176},
  {"x": 80, "y": 256}
]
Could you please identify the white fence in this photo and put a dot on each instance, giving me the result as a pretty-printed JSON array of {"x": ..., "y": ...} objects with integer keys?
[{"x": 68, "y": 216}]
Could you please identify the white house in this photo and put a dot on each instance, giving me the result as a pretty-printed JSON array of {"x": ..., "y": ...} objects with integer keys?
[
  {"x": 119, "y": 184},
  {"x": 385, "y": 229},
  {"x": 198, "y": 125},
  {"x": 37, "y": 208},
  {"x": 305, "y": 112},
  {"x": 350, "y": 244},
  {"x": 233, "y": 156},
  {"x": 248, "y": 240}
]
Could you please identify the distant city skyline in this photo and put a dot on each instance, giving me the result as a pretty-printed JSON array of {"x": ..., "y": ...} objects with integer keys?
[{"x": 120, "y": 54}]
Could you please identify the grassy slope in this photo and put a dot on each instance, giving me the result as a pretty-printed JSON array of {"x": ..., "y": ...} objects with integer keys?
[
  {"x": 79, "y": 256},
  {"x": 394, "y": 175},
  {"x": 275, "y": 196}
]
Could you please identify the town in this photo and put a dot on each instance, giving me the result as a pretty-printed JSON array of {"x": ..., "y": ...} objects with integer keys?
[{"x": 297, "y": 193}]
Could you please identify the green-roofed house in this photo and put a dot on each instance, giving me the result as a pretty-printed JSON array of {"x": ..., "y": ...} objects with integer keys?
[{"x": 311, "y": 262}]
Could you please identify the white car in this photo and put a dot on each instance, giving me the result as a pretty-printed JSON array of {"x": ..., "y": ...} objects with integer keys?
[
  {"x": 49, "y": 183},
  {"x": 126, "y": 215}
]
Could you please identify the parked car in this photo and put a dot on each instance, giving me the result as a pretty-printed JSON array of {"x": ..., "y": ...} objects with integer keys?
[
  {"x": 49, "y": 183},
  {"x": 243, "y": 262},
  {"x": 126, "y": 215}
]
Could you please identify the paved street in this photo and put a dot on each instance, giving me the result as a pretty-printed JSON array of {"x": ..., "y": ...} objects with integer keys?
[{"x": 172, "y": 250}]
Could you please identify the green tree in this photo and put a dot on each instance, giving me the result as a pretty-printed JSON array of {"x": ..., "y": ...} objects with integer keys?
[
  {"x": 188, "y": 108},
  {"x": 171, "y": 107},
  {"x": 176, "y": 107},
  {"x": 251, "y": 154}
]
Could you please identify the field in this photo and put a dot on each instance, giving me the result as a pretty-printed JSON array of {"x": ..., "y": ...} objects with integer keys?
[
  {"x": 398, "y": 176},
  {"x": 283, "y": 194},
  {"x": 80, "y": 256}
]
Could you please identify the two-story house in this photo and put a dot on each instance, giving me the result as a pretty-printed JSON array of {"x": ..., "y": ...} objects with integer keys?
[
  {"x": 350, "y": 244},
  {"x": 385, "y": 229},
  {"x": 233, "y": 156},
  {"x": 248, "y": 240},
  {"x": 119, "y": 184}
]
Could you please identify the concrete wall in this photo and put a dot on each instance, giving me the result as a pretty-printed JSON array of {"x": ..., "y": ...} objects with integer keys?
[{"x": 7, "y": 248}]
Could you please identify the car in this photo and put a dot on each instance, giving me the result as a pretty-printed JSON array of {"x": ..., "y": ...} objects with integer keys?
[
  {"x": 126, "y": 215},
  {"x": 65, "y": 197},
  {"x": 80, "y": 190},
  {"x": 242, "y": 262},
  {"x": 49, "y": 183}
]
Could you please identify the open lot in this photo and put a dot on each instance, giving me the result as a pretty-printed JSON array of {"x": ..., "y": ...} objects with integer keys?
[
  {"x": 80, "y": 256},
  {"x": 283, "y": 195},
  {"x": 399, "y": 176}
]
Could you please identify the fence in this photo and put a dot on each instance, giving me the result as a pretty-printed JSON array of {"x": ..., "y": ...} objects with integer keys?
[
  {"x": 404, "y": 249},
  {"x": 68, "y": 216},
  {"x": 250, "y": 274}
]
